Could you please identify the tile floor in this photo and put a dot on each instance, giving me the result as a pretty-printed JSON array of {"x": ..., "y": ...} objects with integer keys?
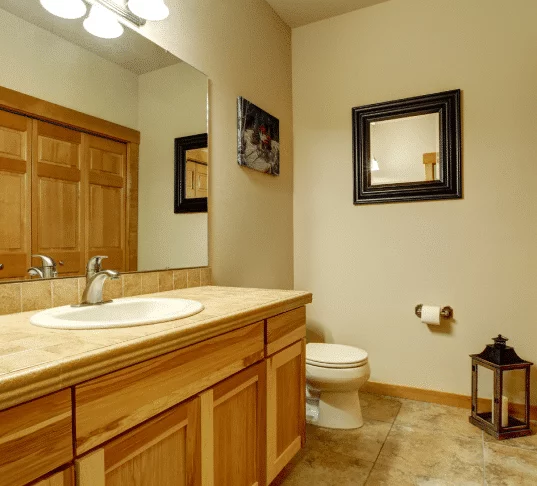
[{"x": 404, "y": 442}]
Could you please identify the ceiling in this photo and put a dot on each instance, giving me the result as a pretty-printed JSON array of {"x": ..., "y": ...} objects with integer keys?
[{"x": 301, "y": 12}]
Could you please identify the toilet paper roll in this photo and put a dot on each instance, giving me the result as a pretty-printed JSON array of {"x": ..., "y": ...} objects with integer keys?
[{"x": 430, "y": 314}]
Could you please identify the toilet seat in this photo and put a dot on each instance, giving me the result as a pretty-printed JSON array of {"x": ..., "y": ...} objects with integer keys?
[{"x": 336, "y": 356}]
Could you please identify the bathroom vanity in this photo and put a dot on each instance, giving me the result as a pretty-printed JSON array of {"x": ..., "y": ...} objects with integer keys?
[{"x": 214, "y": 399}]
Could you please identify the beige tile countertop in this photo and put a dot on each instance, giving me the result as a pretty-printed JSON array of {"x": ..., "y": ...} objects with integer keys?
[{"x": 35, "y": 361}]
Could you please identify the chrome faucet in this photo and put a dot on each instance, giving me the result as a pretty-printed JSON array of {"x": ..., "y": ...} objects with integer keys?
[
  {"x": 47, "y": 268},
  {"x": 96, "y": 276}
]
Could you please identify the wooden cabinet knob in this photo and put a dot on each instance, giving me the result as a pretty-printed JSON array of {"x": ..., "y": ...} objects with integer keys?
[{"x": 1, "y": 266}]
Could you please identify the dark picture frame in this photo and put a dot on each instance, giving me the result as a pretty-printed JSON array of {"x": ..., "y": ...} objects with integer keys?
[
  {"x": 181, "y": 203},
  {"x": 447, "y": 105}
]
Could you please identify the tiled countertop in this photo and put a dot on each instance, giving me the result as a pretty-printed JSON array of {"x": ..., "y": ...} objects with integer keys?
[{"x": 35, "y": 361}]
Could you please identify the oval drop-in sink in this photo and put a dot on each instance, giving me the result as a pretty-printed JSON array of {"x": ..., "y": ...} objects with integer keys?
[{"x": 118, "y": 313}]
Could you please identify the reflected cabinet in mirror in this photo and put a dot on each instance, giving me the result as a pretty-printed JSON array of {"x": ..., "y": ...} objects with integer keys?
[
  {"x": 87, "y": 132},
  {"x": 408, "y": 150}
]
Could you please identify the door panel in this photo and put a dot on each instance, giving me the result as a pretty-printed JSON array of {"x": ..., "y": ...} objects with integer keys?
[
  {"x": 62, "y": 478},
  {"x": 162, "y": 452},
  {"x": 286, "y": 421},
  {"x": 233, "y": 430},
  {"x": 15, "y": 198},
  {"x": 107, "y": 162},
  {"x": 58, "y": 196}
]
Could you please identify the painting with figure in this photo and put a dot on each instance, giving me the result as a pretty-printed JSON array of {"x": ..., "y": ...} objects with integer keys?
[{"x": 258, "y": 138}]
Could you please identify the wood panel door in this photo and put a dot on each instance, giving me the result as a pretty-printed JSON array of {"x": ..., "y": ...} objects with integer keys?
[
  {"x": 58, "y": 196},
  {"x": 106, "y": 227},
  {"x": 15, "y": 198},
  {"x": 286, "y": 412},
  {"x": 62, "y": 478},
  {"x": 233, "y": 430},
  {"x": 164, "y": 451}
]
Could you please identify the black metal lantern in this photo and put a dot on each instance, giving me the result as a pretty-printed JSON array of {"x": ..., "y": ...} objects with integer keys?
[{"x": 500, "y": 358}]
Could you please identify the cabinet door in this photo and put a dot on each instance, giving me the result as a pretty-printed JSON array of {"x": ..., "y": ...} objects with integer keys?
[
  {"x": 286, "y": 413},
  {"x": 202, "y": 182},
  {"x": 106, "y": 228},
  {"x": 62, "y": 478},
  {"x": 162, "y": 452},
  {"x": 58, "y": 195},
  {"x": 233, "y": 430},
  {"x": 15, "y": 202}
]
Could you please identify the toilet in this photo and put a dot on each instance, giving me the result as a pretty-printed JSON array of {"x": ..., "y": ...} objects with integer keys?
[{"x": 335, "y": 373}]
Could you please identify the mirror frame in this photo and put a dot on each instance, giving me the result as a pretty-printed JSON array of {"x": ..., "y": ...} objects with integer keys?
[
  {"x": 447, "y": 105},
  {"x": 181, "y": 203}
]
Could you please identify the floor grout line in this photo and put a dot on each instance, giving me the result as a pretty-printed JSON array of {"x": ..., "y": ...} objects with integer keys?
[
  {"x": 484, "y": 466},
  {"x": 382, "y": 447}
]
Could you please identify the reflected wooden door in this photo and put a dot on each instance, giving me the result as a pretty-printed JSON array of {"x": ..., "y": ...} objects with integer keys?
[
  {"x": 15, "y": 198},
  {"x": 106, "y": 229},
  {"x": 62, "y": 478},
  {"x": 58, "y": 196}
]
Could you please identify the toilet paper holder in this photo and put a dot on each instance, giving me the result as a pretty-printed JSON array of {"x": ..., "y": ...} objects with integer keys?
[{"x": 446, "y": 312}]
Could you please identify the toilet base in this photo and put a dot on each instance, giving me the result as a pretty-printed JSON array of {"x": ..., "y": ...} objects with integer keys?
[{"x": 340, "y": 410}]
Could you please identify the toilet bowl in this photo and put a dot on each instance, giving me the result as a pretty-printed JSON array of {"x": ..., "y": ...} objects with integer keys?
[{"x": 336, "y": 373}]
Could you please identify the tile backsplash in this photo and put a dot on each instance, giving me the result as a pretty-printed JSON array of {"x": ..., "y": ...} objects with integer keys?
[{"x": 43, "y": 294}]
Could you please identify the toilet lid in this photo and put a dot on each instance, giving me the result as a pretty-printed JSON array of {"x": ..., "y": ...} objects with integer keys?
[{"x": 335, "y": 355}]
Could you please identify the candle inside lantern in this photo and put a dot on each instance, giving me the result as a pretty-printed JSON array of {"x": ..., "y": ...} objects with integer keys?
[{"x": 505, "y": 411}]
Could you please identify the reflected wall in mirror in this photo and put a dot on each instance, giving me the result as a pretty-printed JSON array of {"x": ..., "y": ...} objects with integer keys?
[
  {"x": 87, "y": 130},
  {"x": 408, "y": 149}
]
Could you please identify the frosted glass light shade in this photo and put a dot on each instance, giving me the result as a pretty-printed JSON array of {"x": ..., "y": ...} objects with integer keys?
[
  {"x": 66, "y": 9},
  {"x": 102, "y": 23},
  {"x": 149, "y": 9}
]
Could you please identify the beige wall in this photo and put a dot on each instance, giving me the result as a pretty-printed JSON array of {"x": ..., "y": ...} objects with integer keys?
[
  {"x": 368, "y": 266},
  {"x": 245, "y": 49},
  {"x": 40, "y": 64},
  {"x": 173, "y": 103}
]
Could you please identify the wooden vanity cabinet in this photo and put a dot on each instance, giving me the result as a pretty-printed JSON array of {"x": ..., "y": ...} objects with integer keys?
[
  {"x": 165, "y": 451},
  {"x": 62, "y": 478}
]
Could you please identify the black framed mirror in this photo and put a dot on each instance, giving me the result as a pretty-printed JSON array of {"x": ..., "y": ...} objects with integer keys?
[
  {"x": 191, "y": 174},
  {"x": 408, "y": 150}
]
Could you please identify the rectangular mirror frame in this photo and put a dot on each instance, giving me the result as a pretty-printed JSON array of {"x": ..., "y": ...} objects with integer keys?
[
  {"x": 182, "y": 204},
  {"x": 447, "y": 104}
]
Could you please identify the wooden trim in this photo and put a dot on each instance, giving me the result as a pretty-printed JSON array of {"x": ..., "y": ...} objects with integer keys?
[
  {"x": 207, "y": 438},
  {"x": 131, "y": 211},
  {"x": 285, "y": 329},
  {"x": 23, "y": 104},
  {"x": 90, "y": 469},
  {"x": 435, "y": 396}
]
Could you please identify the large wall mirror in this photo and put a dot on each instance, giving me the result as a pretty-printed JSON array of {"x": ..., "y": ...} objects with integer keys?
[
  {"x": 87, "y": 139},
  {"x": 408, "y": 150}
]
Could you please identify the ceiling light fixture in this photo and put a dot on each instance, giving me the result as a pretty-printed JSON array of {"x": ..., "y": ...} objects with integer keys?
[
  {"x": 103, "y": 23},
  {"x": 149, "y": 9},
  {"x": 66, "y": 9}
]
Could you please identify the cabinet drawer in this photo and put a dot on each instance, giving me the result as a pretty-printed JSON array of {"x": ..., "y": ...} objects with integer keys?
[
  {"x": 35, "y": 438},
  {"x": 285, "y": 329},
  {"x": 114, "y": 403}
]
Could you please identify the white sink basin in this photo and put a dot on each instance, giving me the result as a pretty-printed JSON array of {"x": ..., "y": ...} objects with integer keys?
[{"x": 119, "y": 313}]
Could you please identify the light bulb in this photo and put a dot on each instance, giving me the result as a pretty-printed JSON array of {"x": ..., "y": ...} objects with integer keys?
[
  {"x": 374, "y": 165},
  {"x": 102, "y": 23},
  {"x": 149, "y": 9},
  {"x": 66, "y": 9}
]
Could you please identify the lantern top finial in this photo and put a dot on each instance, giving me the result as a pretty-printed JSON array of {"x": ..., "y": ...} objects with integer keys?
[{"x": 500, "y": 341}]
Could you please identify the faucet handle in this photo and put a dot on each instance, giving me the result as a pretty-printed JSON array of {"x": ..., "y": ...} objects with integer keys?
[
  {"x": 95, "y": 264},
  {"x": 46, "y": 261}
]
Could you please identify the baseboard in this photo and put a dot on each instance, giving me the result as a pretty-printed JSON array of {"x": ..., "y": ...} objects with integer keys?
[{"x": 435, "y": 396}]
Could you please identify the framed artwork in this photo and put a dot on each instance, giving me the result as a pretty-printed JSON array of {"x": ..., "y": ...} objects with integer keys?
[{"x": 258, "y": 138}]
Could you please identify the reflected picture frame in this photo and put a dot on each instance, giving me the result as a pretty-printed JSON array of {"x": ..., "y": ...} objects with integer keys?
[{"x": 449, "y": 186}]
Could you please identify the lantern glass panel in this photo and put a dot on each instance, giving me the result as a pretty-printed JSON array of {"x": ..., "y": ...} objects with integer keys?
[
  {"x": 485, "y": 392},
  {"x": 514, "y": 387}
]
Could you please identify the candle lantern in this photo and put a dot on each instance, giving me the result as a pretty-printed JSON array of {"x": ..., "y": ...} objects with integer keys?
[{"x": 500, "y": 359}]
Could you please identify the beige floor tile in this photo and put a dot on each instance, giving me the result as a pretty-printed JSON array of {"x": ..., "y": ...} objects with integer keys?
[
  {"x": 389, "y": 476},
  {"x": 431, "y": 454},
  {"x": 363, "y": 443},
  {"x": 510, "y": 466},
  {"x": 529, "y": 442},
  {"x": 323, "y": 468},
  {"x": 439, "y": 418},
  {"x": 376, "y": 407}
]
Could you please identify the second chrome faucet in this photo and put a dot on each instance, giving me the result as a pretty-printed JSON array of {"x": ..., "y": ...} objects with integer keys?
[{"x": 96, "y": 276}]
